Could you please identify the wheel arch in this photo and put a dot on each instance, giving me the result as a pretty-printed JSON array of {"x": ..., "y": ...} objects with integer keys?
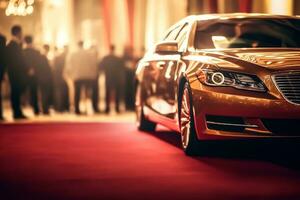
[
  {"x": 182, "y": 81},
  {"x": 181, "y": 84}
]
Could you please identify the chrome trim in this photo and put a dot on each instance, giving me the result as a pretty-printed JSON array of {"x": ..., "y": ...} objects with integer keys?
[
  {"x": 229, "y": 124},
  {"x": 278, "y": 88}
]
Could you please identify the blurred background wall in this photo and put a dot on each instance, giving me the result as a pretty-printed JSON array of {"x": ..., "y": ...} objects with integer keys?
[{"x": 134, "y": 23}]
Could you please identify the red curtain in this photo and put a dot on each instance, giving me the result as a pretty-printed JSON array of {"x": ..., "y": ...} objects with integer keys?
[
  {"x": 213, "y": 6},
  {"x": 130, "y": 6},
  {"x": 245, "y": 6},
  {"x": 106, "y": 9}
]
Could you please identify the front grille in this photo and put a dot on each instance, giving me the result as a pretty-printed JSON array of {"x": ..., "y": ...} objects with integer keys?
[
  {"x": 284, "y": 127},
  {"x": 289, "y": 85}
]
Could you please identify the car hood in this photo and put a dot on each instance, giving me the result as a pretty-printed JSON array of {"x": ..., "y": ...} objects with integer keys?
[{"x": 273, "y": 59}]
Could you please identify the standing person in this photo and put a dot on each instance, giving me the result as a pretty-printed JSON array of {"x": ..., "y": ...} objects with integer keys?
[
  {"x": 44, "y": 77},
  {"x": 46, "y": 50},
  {"x": 129, "y": 78},
  {"x": 17, "y": 71},
  {"x": 82, "y": 69},
  {"x": 61, "y": 90},
  {"x": 2, "y": 69},
  {"x": 32, "y": 58},
  {"x": 113, "y": 67}
]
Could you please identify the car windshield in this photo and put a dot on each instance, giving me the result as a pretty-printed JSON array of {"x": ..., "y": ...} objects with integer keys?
[{"x": 248, "y": 33}]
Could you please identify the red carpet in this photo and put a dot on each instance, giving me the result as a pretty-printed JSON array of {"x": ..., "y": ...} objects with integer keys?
[{"x": 115, "y": 161}]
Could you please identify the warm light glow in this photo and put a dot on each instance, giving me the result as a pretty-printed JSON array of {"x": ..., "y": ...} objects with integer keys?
[
  {"x": 19, "y": 7},
  {"x": 56, "y": 3},
  {"x": 30, "y": 2},
  {"x": 47, "y": 37},
  {"x": 160, "y": 16},
  {"x": 86, "y": 30},
  {"x": 57, "y": 31},
  {"x": 280, "y": 7},
  {"x": 61, "y": 39},
  {"x": 29, "y": 10}
]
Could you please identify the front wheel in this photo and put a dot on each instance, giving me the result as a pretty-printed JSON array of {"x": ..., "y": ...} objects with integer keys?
[
  {"x": 143, "y": 123},
  {"x": 189, "y": 140}
]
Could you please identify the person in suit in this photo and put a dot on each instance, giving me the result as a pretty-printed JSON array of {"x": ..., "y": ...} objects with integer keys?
[
  {"x": 45, "y": 80},
  {"x": 82, "y": 69},
  {"x": 32, "y": 57},
  {"x": 129, "y": 78},
  {"x": 17, "y": 71},
  {"x": 114, "y": 69},
  {"x": 61, "y": 90},
  {"x": 2, "y": 69}
]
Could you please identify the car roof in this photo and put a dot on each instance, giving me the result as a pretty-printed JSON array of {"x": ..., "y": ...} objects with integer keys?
[{"x": 236, "y": 16}]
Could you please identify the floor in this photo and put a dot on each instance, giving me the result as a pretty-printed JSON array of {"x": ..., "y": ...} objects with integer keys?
[
  {"x": 111, "y": 160},
  {"x": 86, "y": 108}
]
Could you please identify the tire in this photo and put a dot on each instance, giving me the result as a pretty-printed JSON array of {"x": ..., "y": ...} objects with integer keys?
[
  {"x": 189, "y": 140},
  {"x": 143, "y": 124}
]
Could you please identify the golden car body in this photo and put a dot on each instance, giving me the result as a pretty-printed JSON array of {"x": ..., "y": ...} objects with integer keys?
[{"x": 223, "y": 77}]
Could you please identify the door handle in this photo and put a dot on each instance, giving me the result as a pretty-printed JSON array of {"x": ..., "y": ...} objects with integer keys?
[{"x": 160, "y": 64}]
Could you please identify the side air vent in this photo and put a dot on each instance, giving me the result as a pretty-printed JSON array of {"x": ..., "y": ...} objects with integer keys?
[{"x": 224, "y": 123}]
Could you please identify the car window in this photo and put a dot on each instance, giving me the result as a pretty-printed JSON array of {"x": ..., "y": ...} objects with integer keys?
[
  {"x": 181, "y": 37},
  {"x": 172, "y": 34},
  {"x": 248, "y": 33}
]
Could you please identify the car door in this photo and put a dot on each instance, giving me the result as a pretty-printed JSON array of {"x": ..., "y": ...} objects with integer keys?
[
  {"x": 166, "y": 91},
  {"x": 157, "y": 66}
]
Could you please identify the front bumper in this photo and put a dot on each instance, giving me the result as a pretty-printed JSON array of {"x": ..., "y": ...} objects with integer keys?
[{"x": 227, "y": 113}]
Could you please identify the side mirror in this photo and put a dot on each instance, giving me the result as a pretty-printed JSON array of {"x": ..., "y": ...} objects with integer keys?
[{"x": 167, "y": 47}]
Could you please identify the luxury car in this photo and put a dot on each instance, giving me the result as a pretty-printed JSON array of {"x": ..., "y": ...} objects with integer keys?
[{"x": 223, "y": 76}]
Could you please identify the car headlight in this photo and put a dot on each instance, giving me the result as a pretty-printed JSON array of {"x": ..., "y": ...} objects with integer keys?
[{"x": 230, "y": 79}]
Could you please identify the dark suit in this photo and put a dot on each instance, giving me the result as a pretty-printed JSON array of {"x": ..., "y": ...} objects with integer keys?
[
  {"x": 114, "y": 69},
  {"x": 45, "y": 81},
  {"x": 61, "y": 90},
  {"x": 32, "y": 58},
  {"x": 129, "y": 92},
  {"x": 2, "y": 62},
  {"x": 2, "y": 69},
  {"x": 17, "y": 73}
]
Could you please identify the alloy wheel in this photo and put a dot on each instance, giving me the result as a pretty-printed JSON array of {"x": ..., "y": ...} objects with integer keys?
[
  {"x": 138, "y": 107},
  {"x": 185, "y": 118}
]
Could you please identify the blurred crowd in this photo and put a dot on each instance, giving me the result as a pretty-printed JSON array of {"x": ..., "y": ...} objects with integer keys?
[{"x": 42, "y": 82}]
